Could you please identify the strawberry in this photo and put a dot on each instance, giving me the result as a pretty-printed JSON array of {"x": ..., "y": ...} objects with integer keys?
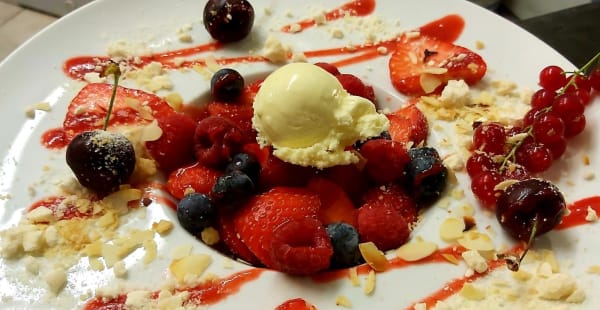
[
  {"x": 276, "y": 172},
  {"x": 335, "y": 204},
  {"x": 349, "y": 178},
  {"x": 256, "y": 220},
  {"x": 87, "y": 110},
  {"x": 395, "y": 196},
  {"x": 381, "y": 224},
  {"x": 232, "y": 241},
  {"x": 355, "y": 86},
  {"x": 411, "y": 57},
  {"x": 196, "y": 176},
  {"x": 175, "y": 147},
  {"x": 408, "y": 124},
  {"x": 386, "y": 160},
  {"x": 301, "y": 247},
  {"x": 296, "y": 304},
  {"x": 328, "y": 67}
]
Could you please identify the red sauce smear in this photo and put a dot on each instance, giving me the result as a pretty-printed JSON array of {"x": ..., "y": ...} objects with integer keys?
[
  {"x": 207, "y": 293},
  {"x": 353, "y": 8},
  {"x": 578, "y": 212},
  {"x": 447, "y": 28}
]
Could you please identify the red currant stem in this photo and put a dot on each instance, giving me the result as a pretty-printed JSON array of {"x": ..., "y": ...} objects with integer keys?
[
  {"x": 585, "y": 70},
  {"x": 112, "y": 68},
  {"x": 513, "y": 150}
]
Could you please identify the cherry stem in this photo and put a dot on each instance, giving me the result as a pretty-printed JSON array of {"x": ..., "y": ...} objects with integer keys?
[
  {"x": 112, "y": 68},
  {"x": 513, "y": 263},
  {"x": 585, "y": 71}
]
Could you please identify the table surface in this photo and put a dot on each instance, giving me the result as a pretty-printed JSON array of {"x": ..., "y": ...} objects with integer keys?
[{"x": 573, "y": 32}]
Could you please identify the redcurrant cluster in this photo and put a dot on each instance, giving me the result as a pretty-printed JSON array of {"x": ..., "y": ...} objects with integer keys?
[{"x": 530, "y": 146}]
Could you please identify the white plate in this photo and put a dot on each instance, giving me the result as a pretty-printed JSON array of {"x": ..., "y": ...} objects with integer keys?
[{"x": 29, "y": 171}]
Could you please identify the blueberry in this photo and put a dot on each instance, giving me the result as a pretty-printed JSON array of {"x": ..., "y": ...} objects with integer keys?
[
  {"x": 226, "y": 85},
  {"x": 426, "y": 174},
  {"x": 245, "y": 163},
  {"x": 196, "y": 212},
  {"x": 383, "y": 135},
  {"x": 344, "y": 239},
  {"x": 232, "y": 186}
]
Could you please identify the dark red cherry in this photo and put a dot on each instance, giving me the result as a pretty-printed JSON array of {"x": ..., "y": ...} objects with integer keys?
[
  {"x": 228, "y": 20},
  {"x": 529, "y": 203},
  {"x": 101, "y": 160}
]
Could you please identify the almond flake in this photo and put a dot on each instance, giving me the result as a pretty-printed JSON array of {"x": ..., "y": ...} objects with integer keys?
[
  {"x": 474, "y": 240},
  {"x": 343, "y": 301},
  {"x": 369, "y": 283},
  {"x": 417, "y": 250},
  {"x": 434, "y": 70},
  {"x": 451, "y": 229},
  {"x": 429, "y": 82},
  {"x": 451, "y": 258},
  {"x": 373, "y": 256},
  {"x": 353, "y": 274},
  {"x": 194, "y": 265},
  {"x": 502, "y": 186}
]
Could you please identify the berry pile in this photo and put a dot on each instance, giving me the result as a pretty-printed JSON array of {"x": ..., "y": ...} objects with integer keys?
[
  {"x": 520, "y": 151},
  {"x": 296, "y": 219}
]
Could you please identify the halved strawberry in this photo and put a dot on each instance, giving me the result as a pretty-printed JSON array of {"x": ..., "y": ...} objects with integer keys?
[
  {"x": 87, "y": 110},
  {"x": 175, "y": 147},
  {"x": 430, "y": 57},
  {"x": 258, "y": 218},
  {"x": 349, "y": 177},
  {"x": 296, "y": 304},
  {"x": 408, "y": 124},
  {"x": 335, "y": 204},
  {"x": 195, "y": 176},
  {"x": 231, "y": 240}
]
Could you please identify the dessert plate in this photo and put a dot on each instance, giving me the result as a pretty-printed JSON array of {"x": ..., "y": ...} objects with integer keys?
[{"x": 34, "y": 74}]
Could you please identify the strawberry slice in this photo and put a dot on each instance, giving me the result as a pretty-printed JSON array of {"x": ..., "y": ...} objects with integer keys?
[
  {"x": 175, "y": 147},
  {"x": 335, "y": 204},
  {"x": 408, "y": 124},
  {"x": 426, "y": 61},
  {"x": 231, "y": 239},
  {"x": 296, "y": 304},
  {"x": 258, "y": 218},
  {"x": 196, "y": 176},
  {"x": 88, "y": 109}
]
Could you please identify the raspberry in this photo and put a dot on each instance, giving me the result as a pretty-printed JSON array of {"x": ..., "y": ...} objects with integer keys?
[
  {"x": 396, "y": 197},
  {"x": 217, "y": 139},
  {"x": 301, "y": 247},
  {"x": 386, "y": 160},
  {"x": 383, "y": 225}
]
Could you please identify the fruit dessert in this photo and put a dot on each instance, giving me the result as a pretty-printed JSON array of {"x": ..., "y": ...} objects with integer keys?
[{"x": 303, "y": 176}]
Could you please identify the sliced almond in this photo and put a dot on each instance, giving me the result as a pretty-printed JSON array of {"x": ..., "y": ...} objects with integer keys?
[
  {"x": 504, "y": 184},
  {"x": 451, "y": 229},
  {"x": 429, "y": 82},
  {"x": 373, "y": 256},
  {"x": 451, "y": 258},
  {"x": 353, "y": 274},
  {"x": 474, "y": 240},
  {"x": 416, "y": 250},
  {"x": 151, "y": 132},
  {"x": 434, "y": 70},
  {"x": 343, "y": 301},
  {"x": 194, "y": 265},
  {"x": 369, "y": 283}
]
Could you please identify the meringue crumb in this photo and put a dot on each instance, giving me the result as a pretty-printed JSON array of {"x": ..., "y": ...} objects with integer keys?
[
  {"x": 479, "y": 45},
  {"x": 40, "y": 106},
  {"x": 588, "y": 176},
  {"x": 209, "y": 236},
  {"x": 595, "y": 269},
  {"x": 586, "y": 159}
]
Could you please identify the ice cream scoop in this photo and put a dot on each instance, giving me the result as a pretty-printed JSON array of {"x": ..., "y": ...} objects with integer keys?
[{"x": 309, "y": 118}]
